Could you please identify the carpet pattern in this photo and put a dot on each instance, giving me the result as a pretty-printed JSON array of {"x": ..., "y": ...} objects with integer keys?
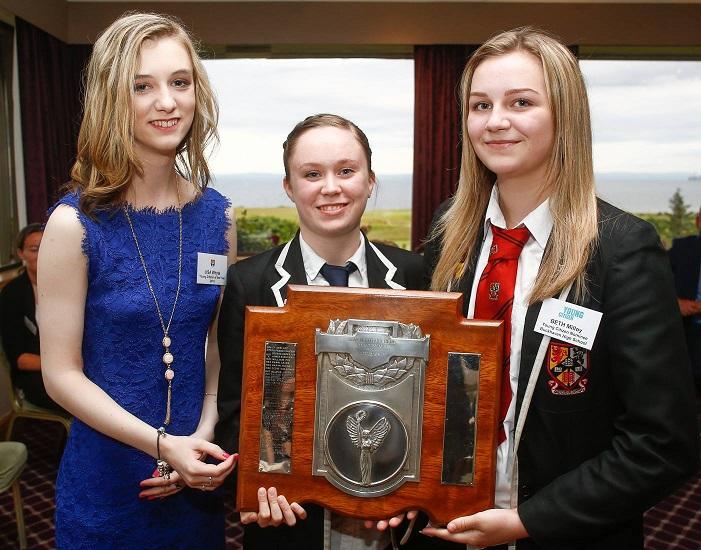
[
  {"x": 675, "y": 523},
  {"x": 44, "y": 442}
]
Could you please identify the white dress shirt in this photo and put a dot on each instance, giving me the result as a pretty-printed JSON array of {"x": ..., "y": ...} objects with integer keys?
[
  {"x": 540, "y": 223},
  {"x": 313, "y": 264},
  {"x": 342, "y": 532}
]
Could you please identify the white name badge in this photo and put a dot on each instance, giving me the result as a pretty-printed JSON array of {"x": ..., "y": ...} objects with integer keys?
[
  {"x": 568, "y": 322},
  {"x": 211, "y": 269}
]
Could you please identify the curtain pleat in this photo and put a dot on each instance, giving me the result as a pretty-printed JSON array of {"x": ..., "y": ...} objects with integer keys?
[
  {"x": 50, "y": 83},
  {"x": 437, "y": 72}
]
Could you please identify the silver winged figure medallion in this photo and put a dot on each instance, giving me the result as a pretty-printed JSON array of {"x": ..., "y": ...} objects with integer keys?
[{"x": 368, "y": 441}]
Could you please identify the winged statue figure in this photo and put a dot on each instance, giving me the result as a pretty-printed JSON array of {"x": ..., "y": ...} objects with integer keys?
[{"x": 368, "y": 441}]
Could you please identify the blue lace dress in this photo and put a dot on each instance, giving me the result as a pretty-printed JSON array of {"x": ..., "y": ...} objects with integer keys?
[{"x": 97, "y": 503}]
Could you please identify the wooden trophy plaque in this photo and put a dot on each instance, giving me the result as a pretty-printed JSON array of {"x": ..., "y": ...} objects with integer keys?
[{"x": 370, "y": 402}]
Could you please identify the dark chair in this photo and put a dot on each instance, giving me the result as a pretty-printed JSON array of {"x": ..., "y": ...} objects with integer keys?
[{"x": 21, "y": 408}]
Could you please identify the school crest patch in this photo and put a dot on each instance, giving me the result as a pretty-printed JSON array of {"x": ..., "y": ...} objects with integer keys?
[{"x": 568, "y": 367}]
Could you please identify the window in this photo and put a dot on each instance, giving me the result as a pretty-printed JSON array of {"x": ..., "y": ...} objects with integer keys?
[
  {"x": 262, "y": 99},
  {"x": 647, "y": 140}
]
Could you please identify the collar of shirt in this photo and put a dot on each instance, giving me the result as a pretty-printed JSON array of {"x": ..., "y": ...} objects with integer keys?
[
  {"x": 313, "y": 264},
  {"x": 539, "y": 222}
]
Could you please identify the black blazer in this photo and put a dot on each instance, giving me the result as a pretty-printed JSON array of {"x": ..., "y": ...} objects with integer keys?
[
  {"x": 685, "y": 257},
  {"x": 20, "y": 334},
  {"x": 590, "y": 463},
  {"x": 258, "y": 281}
]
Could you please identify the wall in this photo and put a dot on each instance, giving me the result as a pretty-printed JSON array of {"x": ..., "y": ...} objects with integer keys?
[
  {"x": 48, "y": 15},
  {"x": 249, "y": 23}
]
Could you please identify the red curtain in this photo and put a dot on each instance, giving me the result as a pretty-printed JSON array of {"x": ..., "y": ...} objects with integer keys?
[
  {"x": 50, "y": 84},
  {"x": 437, "y": 72}
]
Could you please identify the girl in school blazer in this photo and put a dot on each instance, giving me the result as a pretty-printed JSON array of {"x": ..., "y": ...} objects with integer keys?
[
  {"x": 328, "y": 176},
  {"x": 594, "y": 436}
]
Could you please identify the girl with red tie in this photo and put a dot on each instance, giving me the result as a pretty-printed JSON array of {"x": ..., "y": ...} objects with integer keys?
[{"x": 592, "y": 432}]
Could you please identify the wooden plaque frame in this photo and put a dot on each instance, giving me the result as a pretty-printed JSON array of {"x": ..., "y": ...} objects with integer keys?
[{"x": 439, "y": 314}]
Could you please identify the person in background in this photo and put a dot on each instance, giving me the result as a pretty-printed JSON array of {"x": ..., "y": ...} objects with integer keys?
[
  {"x": 124, "y": 316},
  {"x": 329, "y": 178},
  {"x": 685, "y": 257},
  {"x": 593, "y": 431},
  {"x": 18, "y": 324}
]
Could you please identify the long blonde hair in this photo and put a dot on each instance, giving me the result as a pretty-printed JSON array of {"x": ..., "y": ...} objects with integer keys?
[
  {"x": 106, "y": 160},
  {"x": 570, "y": 170}
]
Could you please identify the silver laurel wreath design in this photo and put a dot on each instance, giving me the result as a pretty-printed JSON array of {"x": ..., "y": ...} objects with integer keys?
[{"x": 360, "y": 376}]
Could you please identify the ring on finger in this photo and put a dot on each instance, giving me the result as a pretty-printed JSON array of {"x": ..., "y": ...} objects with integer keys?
[
  {"x": 203, "y": 487},
  {"x": 209, "y": 484}
]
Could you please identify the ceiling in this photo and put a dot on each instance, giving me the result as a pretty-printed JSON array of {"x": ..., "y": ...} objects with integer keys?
[{"x": 638, "y": 28}]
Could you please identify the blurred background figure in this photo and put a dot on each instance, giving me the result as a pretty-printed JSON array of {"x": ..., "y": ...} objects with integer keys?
[
  {"x": 18, "y": 324},
  {"x": 685, "y": 256}
]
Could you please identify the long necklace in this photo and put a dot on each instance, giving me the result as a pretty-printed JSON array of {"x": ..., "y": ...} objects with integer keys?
[{"x": 167, "y": 355}]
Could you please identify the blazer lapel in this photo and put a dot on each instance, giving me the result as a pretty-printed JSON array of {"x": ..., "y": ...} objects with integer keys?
[
  {"x": 382, "y": 273},
  {"x": 465, "y": 283},
  {"x": 529, "y": 349},
  {"x": 288, "y": 269}
]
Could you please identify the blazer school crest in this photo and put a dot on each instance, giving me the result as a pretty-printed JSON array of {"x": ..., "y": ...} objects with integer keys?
[{"x": 568, "y": 366}]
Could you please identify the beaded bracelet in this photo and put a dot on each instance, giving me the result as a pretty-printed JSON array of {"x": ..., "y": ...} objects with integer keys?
[{"x": 164, "y": 469}]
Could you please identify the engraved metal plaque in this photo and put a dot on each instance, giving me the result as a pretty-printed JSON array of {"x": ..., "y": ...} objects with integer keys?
[
  {"x": 278, "y": 407},
  {"x": 369, "y": 404},
  {"x": 340, "y": 408},
  {"x": 460, "y": 424}
]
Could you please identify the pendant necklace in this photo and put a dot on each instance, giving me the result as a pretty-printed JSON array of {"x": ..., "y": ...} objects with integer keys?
[{"x": 167, "y": 354}]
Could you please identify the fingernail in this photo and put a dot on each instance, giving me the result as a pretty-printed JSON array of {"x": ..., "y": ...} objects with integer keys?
[
  {"x": 226, "y": 455},
  {"x": 156, "y": 473}
]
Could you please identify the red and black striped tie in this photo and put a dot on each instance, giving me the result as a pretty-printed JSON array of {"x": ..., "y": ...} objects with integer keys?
[{"x": 495, "y": 297}]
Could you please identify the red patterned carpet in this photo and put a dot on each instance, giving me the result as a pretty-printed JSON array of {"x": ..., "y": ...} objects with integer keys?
[{"x": 673, "y": 524}]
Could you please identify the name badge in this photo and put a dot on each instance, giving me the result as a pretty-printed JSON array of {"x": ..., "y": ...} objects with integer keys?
[
  {"x": 568, "y": 322},
  {"x": 211, "y": 269}
]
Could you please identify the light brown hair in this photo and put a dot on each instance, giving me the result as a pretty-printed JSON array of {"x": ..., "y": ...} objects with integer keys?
[
  {"x": 319, "y": 121},
  {"x": 106, "y": 160},
  {"x": 570, "y": 173}
]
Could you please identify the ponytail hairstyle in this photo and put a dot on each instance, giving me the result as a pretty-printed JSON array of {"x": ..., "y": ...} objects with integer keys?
[{"x": 320, "y": 121}]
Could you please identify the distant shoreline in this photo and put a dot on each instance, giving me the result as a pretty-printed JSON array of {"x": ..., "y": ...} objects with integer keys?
[{"x": 638, "y": 193}]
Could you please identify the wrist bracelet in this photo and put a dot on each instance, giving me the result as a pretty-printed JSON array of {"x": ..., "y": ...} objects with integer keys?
[
  {"x": 162, "y": 466},
  {"x": 212, "y": 394},
  {"x": 160, "y": 432}
]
